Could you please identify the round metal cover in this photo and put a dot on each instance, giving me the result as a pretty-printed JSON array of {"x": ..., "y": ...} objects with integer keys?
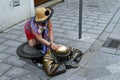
[
  {"x": 29, "y": 50},
  {"x": 25, "y": 51}
]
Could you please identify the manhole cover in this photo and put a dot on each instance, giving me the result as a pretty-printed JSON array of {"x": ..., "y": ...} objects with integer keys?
[{"x": 112, "y": 43}]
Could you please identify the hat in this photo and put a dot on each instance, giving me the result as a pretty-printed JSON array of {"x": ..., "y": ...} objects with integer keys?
[{"x": 43, "y": 14}]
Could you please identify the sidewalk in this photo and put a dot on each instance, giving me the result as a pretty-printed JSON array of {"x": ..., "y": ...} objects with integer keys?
[{"x": 101, "y": 20}]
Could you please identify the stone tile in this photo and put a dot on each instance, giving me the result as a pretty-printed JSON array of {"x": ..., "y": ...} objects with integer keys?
[
  {"x": 91, "y": 35},
  {"x": 57, "y": 25},
  {"x": 118, "y": 52},
  {"x": 102, "y": 25},
  {"x": 65, "y": 75},
  {"x": 29, "y": 76},
  {"x": 14, "y": 60},
  {"x": 11, "y": 36},
  {"x": 98, "y": 28},
  {"x": 83, "y": 71},
  {"x": 37, "y": 71},
  {"x": 2, "y": 40},
  {"x": 21, "y": 39},
  {"x": 114, "y": 68},
  {"x": 91, "y": 23},
  {"x": 94, "y": 31},
  {"x": 69, "y": 26},
  {"x": 114, "y": 36},
  {"x": 59, "y": 30},
  {"x": 66, "y": 20},
  {"x": 11, "y": 51},
  {"x": 76, "y": 77},
  {"x": 86, "y": 26},
  {"x": 104, "y": 36},
  {"x": 115, "y": 76},
  {"x": 4, "y": 67},
  {"x": 12, "y": 43},
  {"x": 68, "y": 36},
  {"x": 16, "y": 32},
  {"x": 110, "y": 27},
  {"x": 3, "y": 56},
  {"x": 99, "y": 72},
  {"x": 3, "y": 47},
  {"x": 101, "y": 60},
  {"x": 5, "y": 78},
  {"x": 101, "y": 21},
  {"x": 15, "y": 72},
  {"x": 117, "y": 28},
  {"x": 108, "y": 50},
  {"x": 69, "y": 32}
]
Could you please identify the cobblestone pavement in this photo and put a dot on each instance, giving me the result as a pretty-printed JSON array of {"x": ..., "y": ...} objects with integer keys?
[{"x": 101, "y": 20}]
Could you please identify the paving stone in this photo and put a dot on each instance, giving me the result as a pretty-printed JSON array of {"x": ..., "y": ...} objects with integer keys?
[
  {"x": 29, "y": 76},
  {"x": 115, "y": 76},
  {"x": 37, "y": 71},
  {"x": 116, "y": 29},
  {"x": 3, "y": 56},
  {"x": 114, "y": 68},
  {"x": 11, "y": 36},
  {"x": 21, "y": 39},
  {"x": 94, "y": 31},
  {"x": 57, "y": 22},
  {"x": 66, "y": 20},
  {"x": 83, "y": 71},
  {"x": 2, "y": 40},
  {"x": 118, "y": 52},
  {"x": 4, "y": 67},
  {"x": 16, "y": 32},
  {"x": 108, "y": 50},
  {"x": 69, "y": 32},
  {"x": 58, "y": 30},
  {"x": 69, "y": 24},
  {"x": 99, "y": 72},
  {"x": 69, "y": 27},
  {"x": 14, "y": 60},
  {"x": 76, "y": 77},
  {"x": 102, "y": 25},
  {"x": 110, "y": 27},
  {"x": 114, "y": 36},
  {"x": 12, "y": 43},
  {"x": 104, "y": 36},
  {"x": 11, "y": 51},
  {"x": 57, "y": 25},
  {"x": 86, "y": 26},
  {"x": 3, "y": 47},
  {"x": 98, "y": 28},
  {"x": 101, "y": 21},
  {"x": 15, "y": 72},
  {"x": 5, "y": 78},
  {"x": 91, "y": 23},
  {"x": 69, "y": 36},
  {"x": 101, "y": 60},
  {"x": 91, "y": 35},
  {"x": 65, "y": 75}
]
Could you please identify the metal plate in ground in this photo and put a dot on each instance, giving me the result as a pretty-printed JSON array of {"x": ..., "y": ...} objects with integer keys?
[{"x": 112, "y": 43}]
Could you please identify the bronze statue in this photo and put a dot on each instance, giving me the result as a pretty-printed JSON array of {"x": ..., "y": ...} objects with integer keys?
[{"x": 56, "y": 62}]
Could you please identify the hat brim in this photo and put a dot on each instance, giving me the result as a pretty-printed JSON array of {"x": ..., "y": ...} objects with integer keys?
[{"x": 45, "y": 18}]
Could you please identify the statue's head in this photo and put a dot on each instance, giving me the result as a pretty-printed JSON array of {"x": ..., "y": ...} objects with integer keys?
[{"x": 62, "y": 51}]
